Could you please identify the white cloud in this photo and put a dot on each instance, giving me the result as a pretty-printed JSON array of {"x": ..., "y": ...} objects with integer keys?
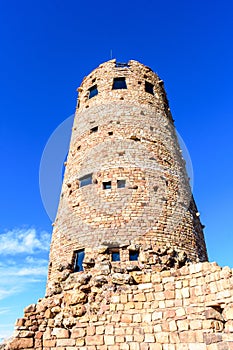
[
  {"x": 29, "y": 271},
  {"x": 6, "y": 331},
  {"x": 4, "y": 293},
  {"x": 4, "y": 310},
  {"x": 23, "y": 241},
  {"x": 23, "y": 272}
]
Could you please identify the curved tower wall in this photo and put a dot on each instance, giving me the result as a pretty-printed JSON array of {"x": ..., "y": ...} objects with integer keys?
[{"x": 125, "y": 183}]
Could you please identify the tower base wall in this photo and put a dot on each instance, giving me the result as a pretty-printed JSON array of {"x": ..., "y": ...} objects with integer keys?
[{"x": 188, "y": 308}]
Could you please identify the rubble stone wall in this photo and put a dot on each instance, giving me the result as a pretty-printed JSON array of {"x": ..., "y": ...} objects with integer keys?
[{"x": 189, "y": 308}]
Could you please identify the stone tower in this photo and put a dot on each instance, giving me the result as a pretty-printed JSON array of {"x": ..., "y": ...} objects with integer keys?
[
  {"x": 128, "y": 267},
  {"x": 125, "y": 186}
]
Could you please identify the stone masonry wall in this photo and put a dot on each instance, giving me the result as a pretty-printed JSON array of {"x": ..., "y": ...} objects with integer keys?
[{"x": 189, "y": 308}]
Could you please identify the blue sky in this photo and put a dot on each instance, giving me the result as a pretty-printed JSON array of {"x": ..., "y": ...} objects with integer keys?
[{"x": 47, "y": 47}]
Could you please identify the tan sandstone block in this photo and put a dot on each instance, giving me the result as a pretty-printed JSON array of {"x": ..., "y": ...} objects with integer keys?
[
  {"x": 65, "y": 342},
  {"x": 162, "y": 337},
  {"x": 94, "y": 340},
  {"x": 120, "y": 339},
  {"x": 182, "y": 325},
  {"x": 149, "y": 338},
  {"x": 78, "y": 332},
  {"x": 126, "y": 318},
  {"x": 155, "y": 347},
  {"x": 140, "y": 297},
  {"x": 60, "y": 332},
  {"x": 229, "y": 327},
  {"x": 79, "y": 342},
  {"x": 228, "y": 312},
  {"x": 22, "y": 343},
  {"x": 109, "y": 339},
  {"x": 109, "y": 329},
  {"x": 49, "y": 342}
]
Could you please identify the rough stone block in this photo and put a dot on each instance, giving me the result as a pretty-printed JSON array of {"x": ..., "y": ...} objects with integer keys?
[
  {"x": 149, "y": 338},
  {"x": 94, "y": 340},
  {"x": 228, "y": 312},
  {"x": 78, "y": 332},
  {"x": 22, "y": 343},
  {"x": 109, "y": 340},
  {"x": 60, "y": 332}
]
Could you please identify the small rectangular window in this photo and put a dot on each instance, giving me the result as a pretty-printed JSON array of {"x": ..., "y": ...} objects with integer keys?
[
  {"x": 94, "y": 129},
  {"x": 149, "y": 87},
  {"x": 115, "y": 255},
  {"x": 133, "y": 255},
  {"x": 121, "y": 65},
  {"x": 107, "y": 185},
  {"x": 93, "y": 91},
  {"x": 119, "y": 83},
  {"x": 78, "y": 262},
  {"x": 121, "y": 183},
  {"x": 85, "y": 180}
]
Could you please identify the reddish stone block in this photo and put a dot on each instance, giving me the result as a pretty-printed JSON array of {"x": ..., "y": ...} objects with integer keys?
[
  {"x": 140, "y": 297},
  {"x": 20, "y": 322},
  {"x": 22, "y": 343},
  {"x": 94, "y": 340},
  {"x": 78, "y": 332},
  {"x": 49, "y": 342},
  {"x": 91, "y": 330},
  {"x": 126, "y": 318}
]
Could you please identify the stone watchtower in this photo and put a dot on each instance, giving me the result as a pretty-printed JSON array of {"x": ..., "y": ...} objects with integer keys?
[
  {"x": 128, "y": 264},
  {"x": 125, "y": 185}
]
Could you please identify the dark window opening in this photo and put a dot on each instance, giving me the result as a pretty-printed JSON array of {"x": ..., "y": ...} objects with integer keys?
[
  {"x": 107, "y": 185},
  {"x": 78, "y": 260},
  {"x": 85, "y": 180},
  {"x": 94, "y": 129},
  {"x": 119, "y": 83},
  {"x": 110, "y": 133},
  {"x": 78, "y": 148},
  {"x": 121, "y": 65},
  {"x": 133, "y": 187},
  {"x": 135, "y": 138},
  {"x": 133, "y": 255},
  {"x": 93, "y": 91},
  {"x": 121, "y": 183},
  {"x": 149, "y": 87},
  {"x": 121, "y": 153},
  {"x": 115, "y": 255}
]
